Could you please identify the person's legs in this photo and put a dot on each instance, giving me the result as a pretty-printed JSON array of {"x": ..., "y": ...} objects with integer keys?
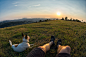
[
  {"x": 63, "y": 50},
  {"x": 41, "y": 50},
  {"x": 46, "y": 47}
]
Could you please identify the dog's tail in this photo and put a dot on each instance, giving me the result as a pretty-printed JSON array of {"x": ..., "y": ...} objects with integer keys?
[{"x": 10, "y": 42}]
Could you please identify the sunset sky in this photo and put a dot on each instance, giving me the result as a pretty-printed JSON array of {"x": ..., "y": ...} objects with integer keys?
[{"x": 16, "y": 9}]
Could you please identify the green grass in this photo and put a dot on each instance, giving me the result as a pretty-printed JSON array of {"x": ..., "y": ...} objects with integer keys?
[{"x": 71, "y": 33}]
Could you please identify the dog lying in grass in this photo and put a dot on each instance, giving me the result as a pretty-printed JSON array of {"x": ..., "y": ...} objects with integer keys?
[{"x": 22, "y": 46}]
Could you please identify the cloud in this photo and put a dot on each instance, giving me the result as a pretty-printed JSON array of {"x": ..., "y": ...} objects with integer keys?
[
  {"x": 15, "y": 5},
  {"x": 29, "y": 6},
  {"x": 37, "y": 5}
]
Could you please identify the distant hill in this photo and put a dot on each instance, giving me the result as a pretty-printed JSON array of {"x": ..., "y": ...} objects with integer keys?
[{"x": 8, "y": 23}]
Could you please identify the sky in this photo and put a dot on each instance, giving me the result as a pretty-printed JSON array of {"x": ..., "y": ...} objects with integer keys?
[{"x": 17, "y": 9}]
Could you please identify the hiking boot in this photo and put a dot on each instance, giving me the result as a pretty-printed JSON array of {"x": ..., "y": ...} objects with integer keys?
[
  {"x": 58, "y": 43},
  {"x": 52, "y": 39}
]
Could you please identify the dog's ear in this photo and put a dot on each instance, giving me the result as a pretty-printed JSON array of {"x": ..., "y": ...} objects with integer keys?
[
  {"x": 22, "y": 35},
  {"x": 26, "y": 36}
]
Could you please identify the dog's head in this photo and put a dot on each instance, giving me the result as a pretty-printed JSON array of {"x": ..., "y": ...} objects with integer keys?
[{"x": 25, "y": 38}]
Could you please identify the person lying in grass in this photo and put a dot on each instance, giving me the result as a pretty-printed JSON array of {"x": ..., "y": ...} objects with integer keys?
[{"x": 62, "y": 51}]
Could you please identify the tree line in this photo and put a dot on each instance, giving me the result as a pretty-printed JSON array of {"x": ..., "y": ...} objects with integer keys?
[{"x": 66, "y": 18}]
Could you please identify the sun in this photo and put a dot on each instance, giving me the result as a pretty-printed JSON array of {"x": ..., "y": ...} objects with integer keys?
[{"x": 58, "y": 13}]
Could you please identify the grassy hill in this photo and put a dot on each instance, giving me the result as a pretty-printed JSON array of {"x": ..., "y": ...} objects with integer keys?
[{"x": 71, "y": 33}]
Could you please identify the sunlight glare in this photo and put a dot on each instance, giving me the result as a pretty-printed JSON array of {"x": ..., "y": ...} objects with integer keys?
[{"x": 58, "y": 13}]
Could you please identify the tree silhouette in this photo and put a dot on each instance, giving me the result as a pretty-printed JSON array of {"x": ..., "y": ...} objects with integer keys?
[
  {"x": 40, "y": 20},
  {"x": 78, "y": 20},
  {"x": 71, "y": 19},
  {"x": 65, "y": 18},
  {"x": 82, "y": 20},
  {"x": 62, "y": 18}
]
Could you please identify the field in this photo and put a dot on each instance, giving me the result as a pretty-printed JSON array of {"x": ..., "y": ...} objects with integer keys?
[{"x": 72, "y": 34}]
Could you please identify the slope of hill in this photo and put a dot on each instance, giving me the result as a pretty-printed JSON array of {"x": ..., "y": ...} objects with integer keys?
[{"x": 71, "y": 33}]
